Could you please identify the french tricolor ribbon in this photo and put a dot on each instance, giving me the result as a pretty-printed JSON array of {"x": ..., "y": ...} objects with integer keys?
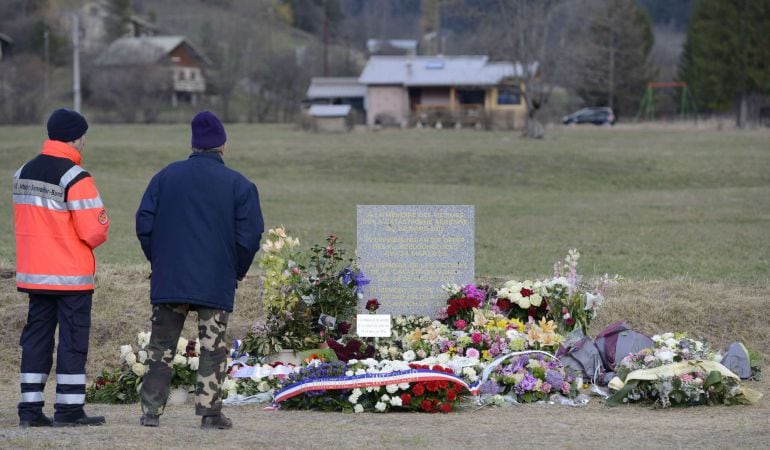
[{"x": 369, "y": 380}]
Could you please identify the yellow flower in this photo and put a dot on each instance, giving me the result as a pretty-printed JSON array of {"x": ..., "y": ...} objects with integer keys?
[
  {"x": 485, "y": 355},
  {"x": 478, "y": 318},
  {"x": 520, "y": 327},
  {"x": 548, "y": 339},
  {"x": 547, "y": 327},
  {"x": 533, "y": 335}
]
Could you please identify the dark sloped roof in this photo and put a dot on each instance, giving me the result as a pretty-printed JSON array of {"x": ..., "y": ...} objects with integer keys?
[{"x": 144, "y": 50}]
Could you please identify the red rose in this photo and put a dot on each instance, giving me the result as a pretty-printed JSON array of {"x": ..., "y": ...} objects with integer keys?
[
  {"x": 569, "y": 322},
  {"x": 431, "y": 386},
  {"x": 406, "y": 399},
  {"x": 503, "y": 304},
  {"x": 451, "y": 310},
  {"x": 526, "y": 292},
  {"x": 418, "y": 389},
  {"x": 372, "y": 305},
  {"x": 451, "y": 395},
  {"x": 446, "y": 407},
  {"x": 443, "y": 384},
  {"x": 329, "y": 250},
  {"x": 426, "y": 405}
]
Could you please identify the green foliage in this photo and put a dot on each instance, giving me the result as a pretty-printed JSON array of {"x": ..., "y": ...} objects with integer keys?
[
  {"x": 119, "y": 386},
  {"x": 726, "y": 51}
]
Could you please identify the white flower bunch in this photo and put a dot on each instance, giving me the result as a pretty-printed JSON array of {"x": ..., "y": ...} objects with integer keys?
[
  {"x": 277, "y": 239},
  {"x": 451, "y": 289},
  {"x": 513, "y": 290},
  {"x": 181, "y": 346}
]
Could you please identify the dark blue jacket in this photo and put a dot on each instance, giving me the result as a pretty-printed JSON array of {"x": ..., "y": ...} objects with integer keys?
[{"x": 199, "y": 224}]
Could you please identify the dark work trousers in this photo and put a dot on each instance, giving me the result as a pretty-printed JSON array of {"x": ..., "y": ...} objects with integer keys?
[{"x": 73, "y": 315}]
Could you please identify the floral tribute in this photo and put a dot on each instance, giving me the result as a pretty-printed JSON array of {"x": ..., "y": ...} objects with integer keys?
[
  {"x": 530, "y": 378},
  {"x": 122, "y": 384},
  {"x": 308, "y": 297},
  {"x": 679, "y": 371},
  {"x": 373, "y": 386}
]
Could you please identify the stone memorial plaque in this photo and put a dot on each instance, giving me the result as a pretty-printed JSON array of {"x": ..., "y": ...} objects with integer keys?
[{"x": 409, "y": 251}]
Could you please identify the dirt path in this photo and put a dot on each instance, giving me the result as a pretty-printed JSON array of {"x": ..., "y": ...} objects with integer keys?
[{"x": 594, "y": 426}]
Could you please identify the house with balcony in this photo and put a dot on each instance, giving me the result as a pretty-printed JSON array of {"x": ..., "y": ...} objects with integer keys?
[
  {"x": 441, "y": 91},
  {"x": 186, "y": 63}
]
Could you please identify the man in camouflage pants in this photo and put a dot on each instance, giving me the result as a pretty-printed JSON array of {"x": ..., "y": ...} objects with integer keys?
[
  {"x": 199, "y": 224},
  {"x": 167, "y": 323}
]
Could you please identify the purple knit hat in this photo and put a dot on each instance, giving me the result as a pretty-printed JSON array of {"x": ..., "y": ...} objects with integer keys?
[{"x": 207, "y": 131}]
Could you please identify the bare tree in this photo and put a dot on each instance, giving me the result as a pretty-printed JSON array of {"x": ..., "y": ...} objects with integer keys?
[
  {"x": 129, "y": 90},
  {"x": 21, "y": 89},
  {"x": 612, "y": 63},
  {"x": 535, "y": 34}
]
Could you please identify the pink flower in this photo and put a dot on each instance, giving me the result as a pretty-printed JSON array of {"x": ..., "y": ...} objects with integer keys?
[
  {"x": 686, "y": 378},
  {"x": 545, "y": 387},
  {"x": 460, "y": 324},
  {"x": 472, "y": 353},
  {"x": 476, "y": 337}
]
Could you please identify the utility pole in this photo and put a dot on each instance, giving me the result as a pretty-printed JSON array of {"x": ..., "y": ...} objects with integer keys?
[
  {"x": 76, "y": 61},
  {"x": 46, "y": 57},
  {"x": 326, "y": 42}
]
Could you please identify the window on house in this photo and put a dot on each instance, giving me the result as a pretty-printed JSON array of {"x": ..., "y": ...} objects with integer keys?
[
  {"x": 192, "y": 75},
  {"x": 181, "y": 75},
  {"x": 509, "y": 95}
]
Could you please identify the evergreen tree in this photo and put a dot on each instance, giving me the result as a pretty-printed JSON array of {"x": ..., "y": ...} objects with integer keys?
[
  {"x": 118, "y": 17},
  {"x": 613, "y": 64},
  {"x": 726, "y": 55}
]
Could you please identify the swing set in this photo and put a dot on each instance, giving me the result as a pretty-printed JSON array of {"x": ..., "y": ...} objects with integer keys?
[{"x": 687, "y": 108}]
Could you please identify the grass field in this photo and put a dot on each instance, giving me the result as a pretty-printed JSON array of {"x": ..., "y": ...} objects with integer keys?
[
  {"x": 683, "y": 215},
  {"x": 642, "y": 203}
]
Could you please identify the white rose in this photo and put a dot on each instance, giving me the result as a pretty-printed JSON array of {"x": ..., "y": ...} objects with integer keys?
[
  {"x": 670, "y": 342},
  {"x": 124, "y": 350},
  {"x": 666, "y": 355},
  {"x": 523, "y": 302},
  {"x": 535, "y": 299},
  {"x": 385, "y": 398},
  {"x": 197, "y": 347},
  {"x": 348, "y": 373},
  {"x": 409, "y": 356},
  {"x": 179, "y": 359},
  {"x": 138, "y": 369},
  {"x": 358, "y": 409},
  {"x": 193, "y": 361},
  {"x": 142, "y": 356},
  {"x": 396, "y": 401},
  {"x": 130, "y": 358},
  {"x": 381, "y": 407},
  {"x": 143, "y": 338},
  {"x": 360, "y": 372},
  {"x": 181, "y": 345},
  {"x": 391, "y": 388},
  {"x": 403, "y": 386}
]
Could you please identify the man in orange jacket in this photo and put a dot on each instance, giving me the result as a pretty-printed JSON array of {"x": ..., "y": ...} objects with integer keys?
[{"x": 59, "y": 219}]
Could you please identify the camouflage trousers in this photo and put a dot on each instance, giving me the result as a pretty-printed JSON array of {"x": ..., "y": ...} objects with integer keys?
[{"x": 167, "y": 323}]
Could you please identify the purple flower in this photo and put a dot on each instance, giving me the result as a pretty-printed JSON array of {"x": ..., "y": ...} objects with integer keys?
[
  {"x": 490, "y": 387},
  {"x": 525, "y": 385},
  {"x": 554, "y": 378}
]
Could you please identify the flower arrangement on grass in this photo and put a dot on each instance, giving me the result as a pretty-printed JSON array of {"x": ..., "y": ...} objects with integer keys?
[
  {"x": 307, "y": 297},
  {"x": 679, "y": 371},
  {"x": 123, "y": 383},
  {"x": 529, "y": 378},
  {"x": 574, "y": 302},
  {"x": 433, "y": 393}
]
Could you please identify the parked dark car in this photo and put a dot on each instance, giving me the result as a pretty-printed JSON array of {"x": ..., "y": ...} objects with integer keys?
[{"x": 601, "y": 115}]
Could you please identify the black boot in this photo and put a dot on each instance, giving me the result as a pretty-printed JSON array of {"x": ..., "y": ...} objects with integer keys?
[
  {"x": 149, "y": 420},
  {"x": 218, "y": 422},
  {"x": 82, "y": 422},
  {"x": 42, "y": 421}
]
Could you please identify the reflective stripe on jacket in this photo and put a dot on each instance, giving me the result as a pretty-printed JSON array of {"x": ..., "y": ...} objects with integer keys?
[{"x": 59, "y": 219}]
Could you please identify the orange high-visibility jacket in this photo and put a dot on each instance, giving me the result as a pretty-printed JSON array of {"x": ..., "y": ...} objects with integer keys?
[{"x": 59, "y": 219}]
